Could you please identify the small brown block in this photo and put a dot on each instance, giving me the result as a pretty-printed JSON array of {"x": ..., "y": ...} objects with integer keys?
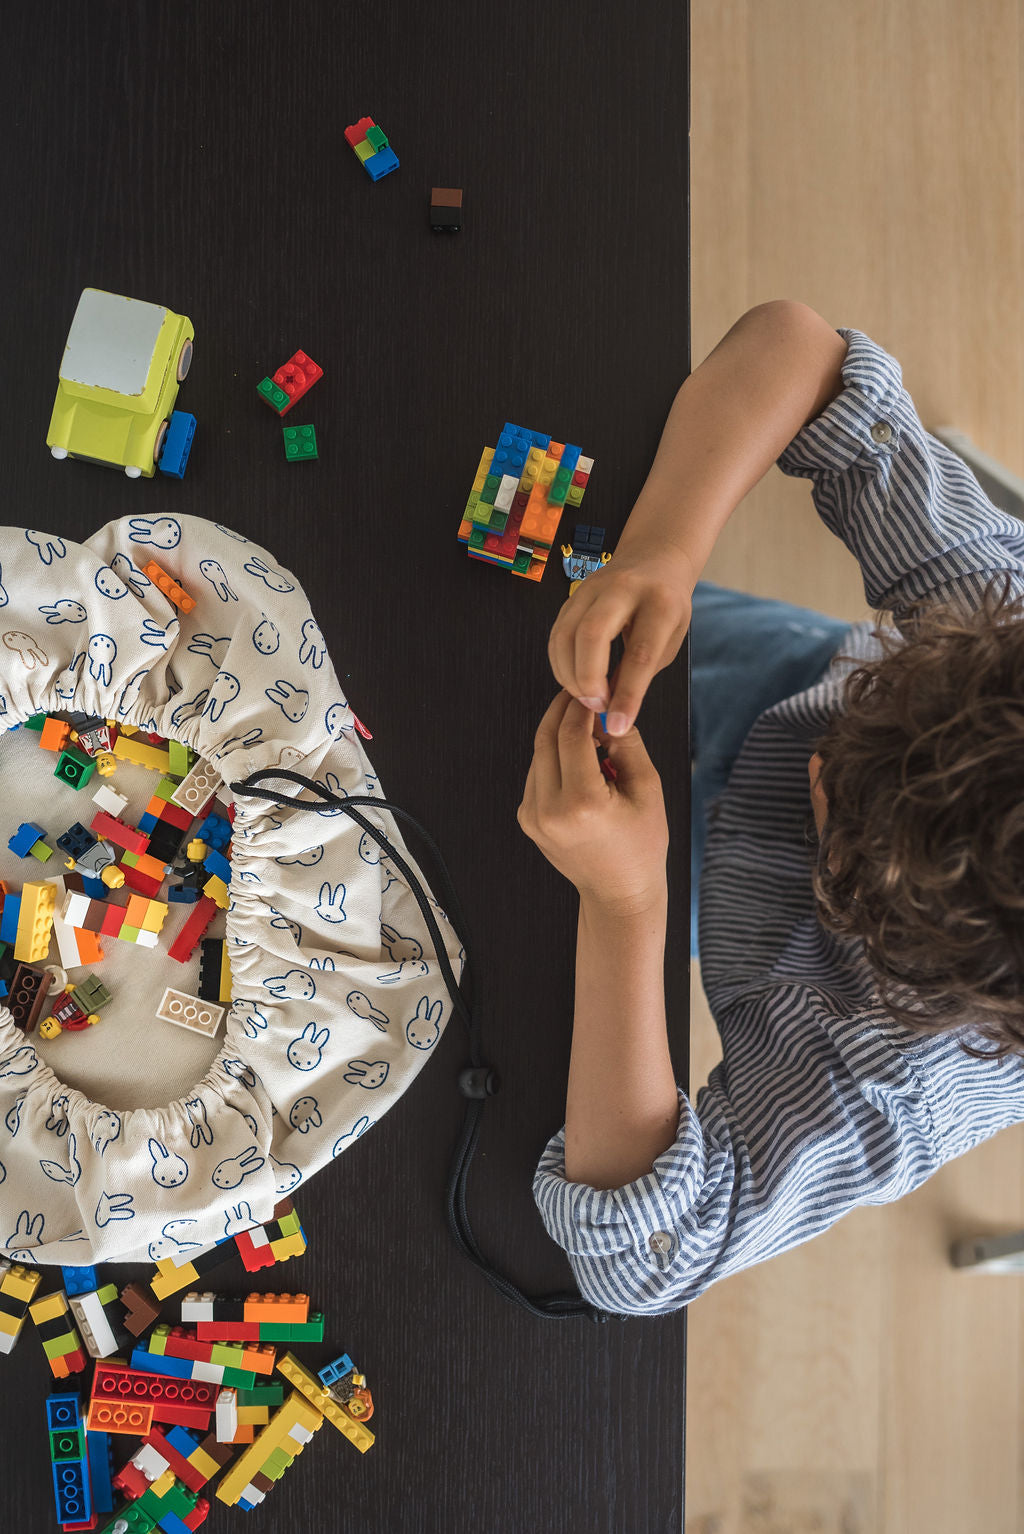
[
  {"x": 26, "y": 995},
  {"x": 262, "y": 1482},
  {"x": 446, "y": 197},
  {"x": 74, "y": 881},
  {"x": 141, "y": 1307},
  {"x": 221, "y": 1452},
  {"x": 95, "y": 916}
]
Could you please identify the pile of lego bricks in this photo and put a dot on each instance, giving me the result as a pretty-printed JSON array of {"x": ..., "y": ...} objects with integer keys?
[
  {"x": 521, "y": 486},
  {"x": 183, "y": 838},
  {"x": 137, "y": 1444}
]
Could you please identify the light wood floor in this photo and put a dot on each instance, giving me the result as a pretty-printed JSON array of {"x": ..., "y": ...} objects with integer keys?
[{"x": 864, "y": 157}]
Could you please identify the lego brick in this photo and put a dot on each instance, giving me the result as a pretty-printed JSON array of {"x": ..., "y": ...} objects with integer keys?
[
  {"x": 173, "y": 458},
  {"x": 381, "y": 163},
  {"x": 27, "y": 995},
  {"x": 300, "y": 443},
  {"x": 276, "y": 1308},
  {"x": 216, "y": 890},
  {"x": 446, "y": 209},
  {"x": 173, "y": 1398},
  {"x": 71, "y": 1491},
  {"x": 215, "y": 830},
  {"x": 35, "y": 920},
  {"x": 296, "y": 377},
  {"x": 190, "y": 1012},
  {"x": 54, "y": 735},
  {"x": 217, "y": 865},
  {"x": 9, "y": 917},
  {"x": 140, "y": 883},
  {"x": 174, "y": 593},
  {"x": 109, "y": 800},
  {"x": 74, "y": 768},
  {"x": 227, "y": 1416},
  {"x": 25, "y": 838},
  {"x": 132, "y": 749},
  {"x": 115, "y": 1415},
  {"x": 199, "y": 919},
  {"x": 180, "y": 757},
  {"x": 118, "y": 832},
  {"x": 268, "y": 391},
  {"x": 101, "y": 1328},
  {"x": 80, "y": 1280},
  {"x": 200, "y": 785},
  {"x": 141, "y": 1307},
  {"x": 290, "y": 1428}
]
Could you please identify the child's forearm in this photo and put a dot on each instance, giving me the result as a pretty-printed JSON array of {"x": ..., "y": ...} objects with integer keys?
[
  {"x": 776, "y": 369},
  {"x": 622, "y": 1108}
]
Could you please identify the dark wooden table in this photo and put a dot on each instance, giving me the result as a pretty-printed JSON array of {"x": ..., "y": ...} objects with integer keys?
[{"x": 194, "y": 155}]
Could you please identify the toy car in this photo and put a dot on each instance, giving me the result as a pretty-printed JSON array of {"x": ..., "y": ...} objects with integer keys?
[{"x": 118, "y": 381}]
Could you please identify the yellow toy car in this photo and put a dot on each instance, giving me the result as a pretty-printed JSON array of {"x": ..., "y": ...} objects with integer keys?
[{"x": 118, "y": 381}]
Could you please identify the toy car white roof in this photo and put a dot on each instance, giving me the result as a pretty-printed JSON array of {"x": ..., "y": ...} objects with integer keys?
[{"x": 111, "y": 340}]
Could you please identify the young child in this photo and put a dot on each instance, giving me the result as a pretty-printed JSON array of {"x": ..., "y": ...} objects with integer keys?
[{"x": 862, "y": 888}]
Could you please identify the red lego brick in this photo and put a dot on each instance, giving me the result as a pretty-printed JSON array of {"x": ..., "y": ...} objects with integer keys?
[
  {"x": 228, "y": 1331},
  {"x": 113, "y": 918},
  {"x": 119, "y": 832},
  {"x": 188, "y": 1402},
  {"x": 141, "y": 883},
  {"x": 296, "y": 378},
  {"x": 253, "y": 1257},
  {"x": 357, "y": 132},
  {"x": 201, "y": 916},
  {"x": 172, "y": 813}
]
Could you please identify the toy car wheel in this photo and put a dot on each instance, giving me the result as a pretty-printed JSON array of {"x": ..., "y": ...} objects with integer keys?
[
  {"x": 59, "y": 452},
  {"x": 158, "y": 445},
  {"x": 184, "y": 361},
  {"x": 132, "y": 472}
]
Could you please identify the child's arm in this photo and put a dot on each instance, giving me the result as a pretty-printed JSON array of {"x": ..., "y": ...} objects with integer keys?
[
  {"x": 610, "y": 840},
  {"x": 775, "y": 370}
]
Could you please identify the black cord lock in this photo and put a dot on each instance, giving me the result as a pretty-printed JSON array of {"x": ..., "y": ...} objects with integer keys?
[{"x": 479, "y": 1081}]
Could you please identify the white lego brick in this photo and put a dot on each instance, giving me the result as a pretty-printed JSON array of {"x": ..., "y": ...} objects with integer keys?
[
  {"x": 110, "y": 800},
  {"x": 67, "y": 944},
  {"x": 251, "y": 1494},
  {"x": 97, "y": 1333},
  {"x": 147, "y": 939},
  {"x": 299, "y": 1433},
  {"x": 227, "y": 1415},
  {"x": 506, "y": 492},
  {"x": 213, "y": 1374},
  {"x": 585, "y": 465},
  {"x": 150, "y": 1461},
  {"x": 197, "y": 1307},
  {"x": 190, "y": 1012},
  {"x": 258, "y": 1236},
  {"x": 75, "y": 908},
  {"x": 197, "y": 787},
  {"x": 7, "y": 1342}
]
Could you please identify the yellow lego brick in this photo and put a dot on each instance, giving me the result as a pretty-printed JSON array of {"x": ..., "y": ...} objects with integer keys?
[
  {"x": 204, "y": 1463},
  {"x": 225, "y": 975},
  {"x": 217, "y": 890},
  {"x": 276, "y": 1434},
  {"x": 168, "y": 1279},
  {"x": 35, "y": 922},
  {"x": 155, "y": 916},
  {"x": 288, "y": 1246},
  {"x": 49, "y": 1308},
  {"x": 142, "y": 753},
  {"x": 253, "y": 1416},
  {"x": 20, "y": 1282}
]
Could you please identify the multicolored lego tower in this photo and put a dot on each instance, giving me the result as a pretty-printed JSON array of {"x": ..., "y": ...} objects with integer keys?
[{"x": 513, "y": 512}]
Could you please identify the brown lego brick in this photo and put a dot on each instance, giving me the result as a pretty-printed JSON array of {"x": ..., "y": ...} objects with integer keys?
[
  {"x": 26, "y": 995},
  {"x": 446, "y": 197},
  {"x": 141, "y": 1307}
]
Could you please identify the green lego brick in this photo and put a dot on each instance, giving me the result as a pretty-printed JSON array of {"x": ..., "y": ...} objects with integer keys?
[
  {"x": 67, "y": 1443},
  {"x": 304, "y": 1331},
  {"x": 227, "y": 1353},
  {"x": 262, "y": 1395},
  {"x": 41, "y": 851},
  {"x": 74, "y": 768},
  {"x": 157, "y": 1340},
  {"x": 377, "y": 137},
  {"x": 242, "y": 1379},
  {"x": 128, "y": 934},
  {"x": 499, "y": 521},
  {"x": 299, "y": 443},
  {"x": 268, "y": 390},
  {"x": 277, "y": 1462},
  {"x": 289, "y": 1224},
  {"x": 477, "y": 538},
  {"x": 521, "y": 564},
  {"x": 56, "y": 1347},
  {"x": 166, "y": 789},
  {"x": 557, "y": 494},
  {"x": 36, "y": 723},
  {"x": 181, "y": 759}
]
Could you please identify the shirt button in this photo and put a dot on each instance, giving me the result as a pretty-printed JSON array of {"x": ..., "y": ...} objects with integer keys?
[
  {"x": 882, "y": 431},
  {"x": 660, "y": 1241}
]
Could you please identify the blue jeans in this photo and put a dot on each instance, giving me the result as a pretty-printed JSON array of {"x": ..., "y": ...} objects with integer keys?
[{"x": 746, "y": 654}]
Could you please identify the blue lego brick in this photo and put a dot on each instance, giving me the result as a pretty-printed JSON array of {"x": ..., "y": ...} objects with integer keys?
[
  {"x": 94, "y": 888},
  {"x": 181, "y": 1439},
  {"x": 217, "y": 864},
  {"x": 9, "y": 919},
  {"x": 333, "y": 1371},
  {"x": 63, "y": 1411},
  {"x": 177, "y": 444},
  {"x": 3, "y": 988},
  {"x": 79, "y": 1280},
  {"x": 381, "y": 163},
  {"x": 157, "y": 1363},
  {"x": 100, "y": 1485},
  {"x": 247, "y": 1507},
  {"x": 214, "y": 830},
  {"x": 172, "y": 1524},
  {"x": 148, "y": 822},
  {"x": 76, "y": 840},
  {"x": 571, "y": 456},
  {"x": 25, "y": 838},
  {"x": 536, "y": 438},
  {"x": 71, "y": 1491},
  {"x": 180, "y": 894}
]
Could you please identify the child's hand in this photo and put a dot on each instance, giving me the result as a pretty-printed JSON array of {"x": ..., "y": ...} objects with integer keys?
[
  {"x": 609, "y": 839},
  {"x": 644, "y": 596}
]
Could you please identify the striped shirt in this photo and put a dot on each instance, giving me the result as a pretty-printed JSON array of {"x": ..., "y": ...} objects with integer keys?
[{"x": 822, "y": 1101}]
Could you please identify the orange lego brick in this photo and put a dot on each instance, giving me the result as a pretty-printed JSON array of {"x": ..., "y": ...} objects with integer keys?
[
  {"x": 135, "y": 1417},
  {"x": 260, "y": 1357},
  {"x": 174, "y": 593},
  {"x": 54, "y": 735},
  {"x": 276, "y": 1309}
]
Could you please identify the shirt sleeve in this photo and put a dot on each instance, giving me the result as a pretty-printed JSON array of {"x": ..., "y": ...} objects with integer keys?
[
  {"x": 908, "y": 509},
  {"x": 781, "y": 1144}
]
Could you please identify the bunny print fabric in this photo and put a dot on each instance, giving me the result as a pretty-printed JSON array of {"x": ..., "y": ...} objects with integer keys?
[{"x": 338, "y": 996}]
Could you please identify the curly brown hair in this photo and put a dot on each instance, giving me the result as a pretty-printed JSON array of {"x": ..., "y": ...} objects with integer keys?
[{"x": 922, "y": 852}]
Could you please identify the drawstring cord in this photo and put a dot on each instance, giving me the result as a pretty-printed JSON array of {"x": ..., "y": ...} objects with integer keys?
[{"x": 477, "y": 1081}]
